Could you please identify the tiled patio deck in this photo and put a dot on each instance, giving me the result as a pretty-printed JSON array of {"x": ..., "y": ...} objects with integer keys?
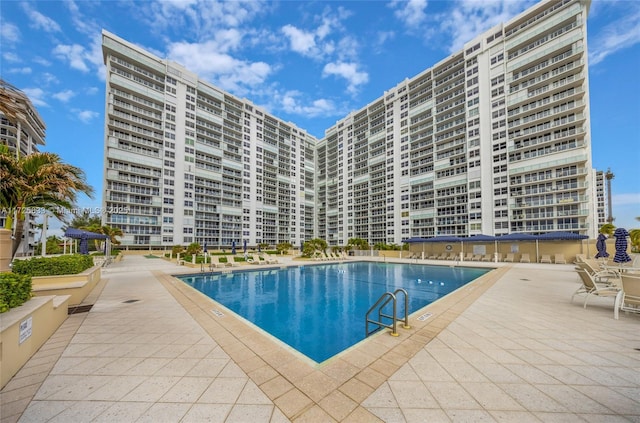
[{"x": 509, "y": 347}]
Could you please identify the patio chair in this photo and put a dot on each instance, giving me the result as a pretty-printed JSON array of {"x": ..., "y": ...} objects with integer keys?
[
  {"x": 255, "y": 259},
  {"x": 215, "y": 262},
  {"x": 628, "y": 299},
  {"x": 270, "y": 260},
  {"x": 509, "y": 258},
  {"x": 591, "y": 287},
  {"x": 524, "y": 258},
  {"x": 232, "y": 262},
  {"x": 499, "y": 257},
  {"x": 559, "y": 259},
  {"x": 580, "y": 258},
  {"x": 546, "y": 258},
  {"x": 477, "y": 257},
  {"x": 487, "y": 257},
  {"x": 442, "y": 256},
  {"x": 607, "y": 276},
  {"x": 468, "y": 257}
]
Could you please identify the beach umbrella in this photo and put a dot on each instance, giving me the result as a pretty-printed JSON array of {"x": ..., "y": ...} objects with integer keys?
[
  {"x": 244, "y": 246},
  {"x": 621, "y": 255},
  {"x": 84, "y": 244},
  {"x": 233, "y": 247},
  {"x": 204, "y": 250},
  {"x": 601, "y": 246},
  {"x": 260, "y": 250}
]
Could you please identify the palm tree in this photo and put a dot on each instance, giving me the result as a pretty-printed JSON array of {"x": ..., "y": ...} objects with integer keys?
[
  {"x": 38, "y": 181},
  {"x": 112, "y": 233}
]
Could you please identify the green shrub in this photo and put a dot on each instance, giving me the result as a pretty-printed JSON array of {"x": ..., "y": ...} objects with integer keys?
[
  {"x": 51, "y": 266},
  {"x": 14, "y": 290}
]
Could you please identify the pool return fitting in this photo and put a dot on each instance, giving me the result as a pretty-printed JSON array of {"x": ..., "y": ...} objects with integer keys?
[{"x": 380, "y": 304}]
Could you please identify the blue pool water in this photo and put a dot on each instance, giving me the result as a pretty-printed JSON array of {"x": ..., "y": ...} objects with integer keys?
[{"x": 320, "y": 309}]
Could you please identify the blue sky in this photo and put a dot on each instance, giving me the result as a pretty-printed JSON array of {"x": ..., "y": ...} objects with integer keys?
[{"x": 309, "y": 62}]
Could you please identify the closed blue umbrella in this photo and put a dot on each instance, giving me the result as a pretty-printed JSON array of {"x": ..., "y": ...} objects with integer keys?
[
  {"x": 259, "y": 249},
  {"x": 233, "y": 247},
  {"x": 601, "y": 246},
  {"x": 204, "y": 250},
  {"x": 621, "y": 255},
  {"x": 84, "y": 244},
  {"x": 244, "y": 246}
]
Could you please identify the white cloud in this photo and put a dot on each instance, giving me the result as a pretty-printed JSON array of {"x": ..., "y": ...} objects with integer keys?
[
  {"x": 9, "y": 33},
  {"x": 64, "y": 96},
  {"x": 36, "y": 95},
  {"x": 92, "y": 90},
  {"x": 300, "y": 41},
  {"x": 290, "y": 103},
  {"x": 40, "y": 21},
  {"x": 616, "y": 36},
  {"x": 75, "y": 55},
  {"x": 42, "y": 61},
  {"x": 627, "y": 199},
  {"x": 85, "y": 116},
  {"x": 348, "y": 71},
  {"x": 25, "y": 70},
  {"x": 210, "y": 61},
  {"x": 49, "y": 78},
  {"x": 316, "y": 43},
  {"x": 411, "y": 13},
  {"x": 200, "y": 18},
  {"x": 11, "y": 57}
]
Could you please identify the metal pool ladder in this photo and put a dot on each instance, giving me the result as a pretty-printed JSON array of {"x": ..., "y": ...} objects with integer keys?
[{"x": 380, "y": 304}]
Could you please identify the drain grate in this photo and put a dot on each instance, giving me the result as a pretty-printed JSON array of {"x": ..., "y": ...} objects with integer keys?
[
  {"x": 79, "y": 309},
  {"x": 130, "y": 301}
]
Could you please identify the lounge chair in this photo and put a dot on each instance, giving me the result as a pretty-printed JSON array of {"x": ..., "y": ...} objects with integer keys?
[
  {"x": 591, "y": 287},
  {"x": 215, "y": 262},
  {"x": 486, "y": 257},
  {"x": 524, "y": 258},
  {"x": 628, "y": 299},
  {"x": 477, "y": 257},
  {"x": 255, "y": 259},
  {"x": 270, "y": 260},
  {"x": 546, "y": 258},
  {"x": 509, "y": 258},
  {"x": 607, "y": 276},
  {"x": 580, "y": 258},
  {"x": 442, "y": 256},
  {"x": 559, "y": 259},
  {"x": 468, "y": 257},
  {"x": 432, "y": 256},
  {"x": 231, "y": 261},
  {"x": 499, "y": 257}
]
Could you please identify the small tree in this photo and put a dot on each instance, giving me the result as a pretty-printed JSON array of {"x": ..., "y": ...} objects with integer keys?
[
  {"x": 193, "y": 248},
  {"x": 607, "y": 229},
  {"x": 283, "y": 247}
]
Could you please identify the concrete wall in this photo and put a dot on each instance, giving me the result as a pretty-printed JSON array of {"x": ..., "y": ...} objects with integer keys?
[
  {"x": 45, "y": 315},
  {"x": 77, "y": 286},
  {"x": 5, "y": 250}
]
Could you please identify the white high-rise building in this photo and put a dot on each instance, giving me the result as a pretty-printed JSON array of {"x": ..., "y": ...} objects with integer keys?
[
  {"x": 22, "y": 133},
  {"x": 493, "y": 139},
  {"x": 186, "y": 162}
]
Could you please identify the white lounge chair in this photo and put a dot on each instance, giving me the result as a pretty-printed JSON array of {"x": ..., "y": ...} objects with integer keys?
[
  {"x": 546, "y": 258},
  {"x": 510, "y": 258},
  {"x": 231, "y": 262},
  {"x": 559, "y": 259},
  {"x": 270, "y": 260},
  {"x": 628, "y": 299},
  {"x": 215, "y": 262},
  {"x": 591, "y": 287},
  {"x": 524, "y": 258}
]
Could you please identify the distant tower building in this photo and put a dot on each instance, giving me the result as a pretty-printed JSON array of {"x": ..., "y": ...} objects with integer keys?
[
  {"x": 22, "y": 130},
  {"x": 600, "y": 200}
]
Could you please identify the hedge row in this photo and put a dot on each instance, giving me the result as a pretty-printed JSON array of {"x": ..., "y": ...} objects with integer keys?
[
  {"x": 51, "y": 266},
  {"x": 14, "y": 290}
]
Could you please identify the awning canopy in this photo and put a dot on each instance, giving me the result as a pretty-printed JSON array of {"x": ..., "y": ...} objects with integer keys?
[
  {"x": 560, "y": 236},
  {"x": 444, "y": 238},
  {"x": 80, "y": 233},
  {"x": 516, "y": 237},
  {"x": 479, "y": 238},
  {"x": 415, "y": 239}
]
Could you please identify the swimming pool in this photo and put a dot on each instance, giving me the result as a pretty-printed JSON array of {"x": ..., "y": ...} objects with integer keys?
[{"x": 320, "y": 309}]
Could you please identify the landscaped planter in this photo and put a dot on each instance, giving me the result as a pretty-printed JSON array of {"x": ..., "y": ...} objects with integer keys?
[
  {"x": 76, "y": 286},
  {"x": 24, "y": 329}
]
